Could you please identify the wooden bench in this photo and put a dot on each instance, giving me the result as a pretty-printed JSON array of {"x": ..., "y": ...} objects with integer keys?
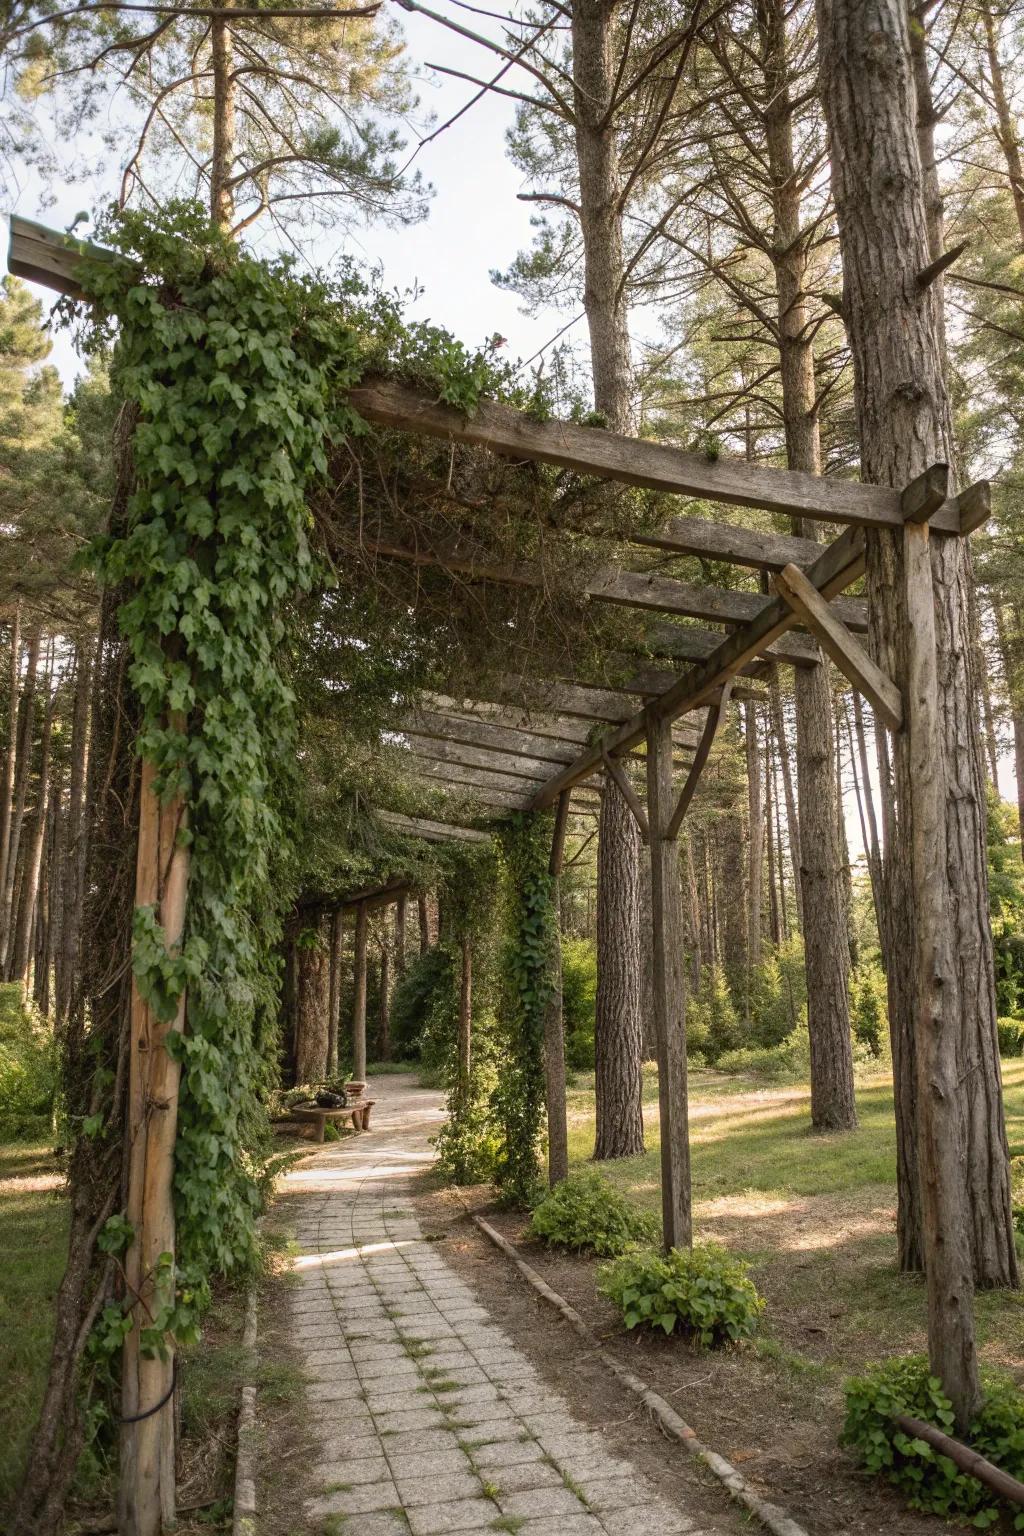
[{"x": 358, "y": 1115}]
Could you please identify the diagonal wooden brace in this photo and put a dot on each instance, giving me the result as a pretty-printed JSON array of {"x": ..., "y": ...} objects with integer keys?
[
  {"x": 844, "y": 648},
  {"x": 716, "y": 714},
  {"x": 629, "y": 795}
]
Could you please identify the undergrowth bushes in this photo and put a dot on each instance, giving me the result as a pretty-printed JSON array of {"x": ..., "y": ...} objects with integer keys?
[
  {"x": 587, "y": 1214},
  {"x": 927, "y": 1479},
  {"x": 28, "y": 1069},
  {"x": 702, "y": 1291}
]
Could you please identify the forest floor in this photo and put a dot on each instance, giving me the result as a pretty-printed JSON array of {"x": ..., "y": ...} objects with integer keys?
[{"x": 815, "y": 1216}]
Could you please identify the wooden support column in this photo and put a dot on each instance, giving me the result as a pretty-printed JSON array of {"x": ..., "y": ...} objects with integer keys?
[
  {"x": 401, "y": 914},
  {"x": 424, "y": 921},
  {"x": 554, "y": 1033},
  {"x": 359, "y": 999},
  {"x": 668, "y": 988},
  {"x": 334, "y": 1005},
  {"x": 946, "y": 1219},
  {"x": 146, "y": 1491},
  {"x": 466, "y": 1020}
]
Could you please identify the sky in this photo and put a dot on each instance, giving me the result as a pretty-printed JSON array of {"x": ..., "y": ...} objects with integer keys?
[{"x": 475, "y": 222}]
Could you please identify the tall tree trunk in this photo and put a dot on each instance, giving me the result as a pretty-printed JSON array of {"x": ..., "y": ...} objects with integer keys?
[
  {"x": 401, "y": 920},
  {"x": 823, "y": 909},
  {"x": 937, "y": 932},
  {"x": 618, "y": 1036},
  {"x": 24, "y": 738},
  {"x": 792, "y": 819},
  {"x": 774, "y": 913},
  {"x": 312, "y": 1011},
  {"x": 76, "y": 841},
  {"x": 11, "y": 755},
  {"x": 359, "y": 998},
  {"x": 384, "y": 1011},
  {"x": 337, "y": 955},
  {"x": 755, "y": 851},
  {"x": 222, "y": 160},
  {"x": 21, "y": 952},
  {"x": 1006, "y": 126},
  {"x": 619, "y": 951},
  {"x": 1015, "y": 696}
]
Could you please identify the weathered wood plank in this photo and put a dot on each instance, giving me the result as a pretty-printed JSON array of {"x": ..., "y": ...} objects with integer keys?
[
  {"x": 844, "y": 648},
  {"x": 433, "y": 831},
  {"x": 482, "y": 733},
  {"x": 479, "y": 757},
  {"x": 636, "y": 461},
  {"x": 559, "y": 728},
  {"x": 725, "y": 541}
]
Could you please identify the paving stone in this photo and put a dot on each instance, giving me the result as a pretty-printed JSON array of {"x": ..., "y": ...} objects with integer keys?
[
  {"x": 569, "y": 1525},
  {"x": 352, "y": 1501},
  {"x": 425, "y": 1464},
  {"x": 456, "y": 1515},
  {"x": 351, "y": 1472},
  {"x": 532, "y": 1503},
  {"x": 441, "y": 1488},
  {"x": 507, "y": 1453},
  {"x": 523, "y": 1475}
]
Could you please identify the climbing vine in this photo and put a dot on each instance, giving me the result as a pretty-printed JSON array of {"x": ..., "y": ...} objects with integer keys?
[
  {"x": 239, "y": 371},
  {"x": 524, "y": 994}
]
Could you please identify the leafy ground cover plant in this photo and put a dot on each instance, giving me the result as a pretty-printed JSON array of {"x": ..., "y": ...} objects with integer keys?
[
  {"x": 704, "y": 1292},
  {"x": 927, "y": 1479},
  {"x": 587, "y": 1214}
]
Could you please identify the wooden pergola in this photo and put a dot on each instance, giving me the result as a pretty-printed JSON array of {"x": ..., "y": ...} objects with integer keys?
[{"x": 529, "y": 744}]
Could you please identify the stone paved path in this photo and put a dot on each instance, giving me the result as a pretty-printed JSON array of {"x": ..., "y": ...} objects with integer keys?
[{"x": 429, "y": 1419}]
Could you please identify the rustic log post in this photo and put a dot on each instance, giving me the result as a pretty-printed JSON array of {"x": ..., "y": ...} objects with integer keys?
[
  {"x": 465, "y": 1020},
  {"x": 401, "y": 915},
  {"x": 334, "y": 1002},
  {"x": 945, "y": 1225},
  {"x": 554, "y": 1033},
  {"x": 359, "y": 1000},
  {"x": 669, "y": 989},
  {"x": 146, "y": 1493},
  {"x": 424, "y": 921}
]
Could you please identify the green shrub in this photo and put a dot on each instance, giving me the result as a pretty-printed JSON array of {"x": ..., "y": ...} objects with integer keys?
[
  {"x": 1011, "y": 1036},
  {"x": 28, "y": 1069},
  {"x": 778, "y": 995},
  {"x": 424, "y": 1008},
  {"x": 703, "y": 1290},
  {"x": 791, "y": 1058},
  {"x": 579, "y": 1000},
  {"x": 585, "y": 1212},
  {"x": 927, "y": 1479},
  {"x": 712, "y": 1024},
  {"x": 869, "y": 1008}
]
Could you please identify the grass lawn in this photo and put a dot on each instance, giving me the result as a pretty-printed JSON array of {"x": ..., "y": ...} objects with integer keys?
[
  {"x": 815, "y": 1214},
  {"x": 33, "y": 1239}
]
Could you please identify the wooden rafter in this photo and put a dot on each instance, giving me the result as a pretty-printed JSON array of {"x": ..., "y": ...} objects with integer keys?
[
  {"x": 559, "y": 728},
  {"x": 432, "y": 831}
]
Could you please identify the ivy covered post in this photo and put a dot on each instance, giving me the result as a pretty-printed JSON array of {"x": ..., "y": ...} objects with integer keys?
[
  {"x": 554, "y": 1031},
  {"x": 147, "y": 1484},
  {"x": 525, "y": 995},
  {"x": 359, "y": 998}
]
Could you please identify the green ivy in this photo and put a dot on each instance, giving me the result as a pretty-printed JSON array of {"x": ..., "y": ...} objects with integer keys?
[
  {"x": 927, "y": 1479},
  {"x": 240, "y": 372},
  {"x": 524, "y": 994}
]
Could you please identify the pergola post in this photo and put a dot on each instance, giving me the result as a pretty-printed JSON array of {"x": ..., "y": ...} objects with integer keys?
[
  {"x": 359, "y": 998},
  {"x": 554, "y": 1033},
  {"x": 146, "y": 1494},
  {"x": 945, "y": 1223},
  {"x": 337, "y": 960},
  {"x": 465, "y": 1020},
  {"x": 668, "y": 987}
]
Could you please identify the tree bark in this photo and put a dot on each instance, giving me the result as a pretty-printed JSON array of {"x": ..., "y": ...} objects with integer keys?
[
  {"x": 75, "y": 842},
  {"x": 222, "y": 203},
  {"x": 1006, "y": 127},
  {"x": 334, "y": 1000},
  {"x": 359, "y": 998},
  {"x": 792, "y": 819},
  {"x": 11, "y": 756},
  {"x": 937, "y": 934},
  {"x": 384, "y": 1015},
  {"x": 312, "y": 1011},
  {"x": 554, "y": 1022},
  {"x": 401, "y": 920},
  {"x": 22, "y": 951},
  {"x": 24, "y": 742},
  {"x": 618, "y": 1036},
  {"x": 755, "y": 851}
]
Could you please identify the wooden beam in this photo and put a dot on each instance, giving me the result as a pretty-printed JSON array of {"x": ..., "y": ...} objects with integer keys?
[
  {"x": 715, "y": 717},
  {"x": 839, "y": 564},
  {"x": 480, "y": 757},
  {"x": 559, "y": 728},
  {"x": 635, "y": 461},
  {"x": 495, "y": 738},
  {"x": 690, "y": 642},
  {"x": 726, "y": 541},
  {"x": 845, "y": 649},
  {"x": 433, "y": 831}
]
